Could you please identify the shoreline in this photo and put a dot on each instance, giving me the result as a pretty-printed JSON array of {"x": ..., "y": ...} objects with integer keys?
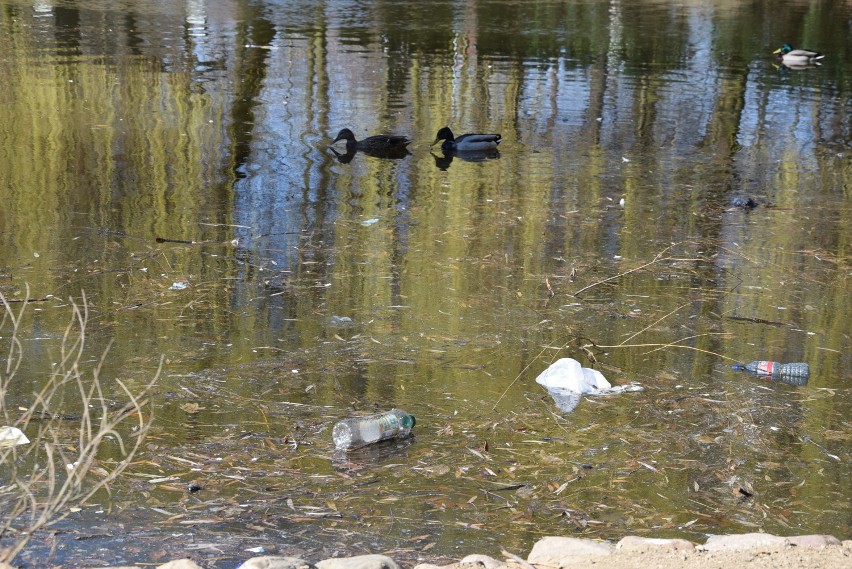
[{"x": 742, "y": 551}]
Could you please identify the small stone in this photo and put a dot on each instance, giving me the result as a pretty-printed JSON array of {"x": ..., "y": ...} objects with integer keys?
[
  {"x": 634, "y": 542},
  {"x": 815, "y": 541},
  {"x": 276, "y": 562},
  {"x": 359, "y": 562},
  {"x": 554, "y": 551},
  {"x": 484, "y": 561},
  {"x": 470, "y": 562},
  {"x": 180, "y": 564},
  {"x": 762, "y": 541}
]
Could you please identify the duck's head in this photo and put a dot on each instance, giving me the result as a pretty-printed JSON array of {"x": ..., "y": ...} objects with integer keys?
[
  {"x": 444, "y": 134},
  {"x": 784, "y": 49},
  {"x": 346, "y": 135}
]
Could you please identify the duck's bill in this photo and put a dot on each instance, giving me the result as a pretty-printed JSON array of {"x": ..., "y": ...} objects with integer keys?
[
  {"x": 777, "y": 50},
  {"x": 437, "y": 140}
]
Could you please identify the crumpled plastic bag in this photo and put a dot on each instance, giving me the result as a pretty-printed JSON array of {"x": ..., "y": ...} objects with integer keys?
[
  {"x": 12, "y": 436},
  {"x": 566, "y": 380}
]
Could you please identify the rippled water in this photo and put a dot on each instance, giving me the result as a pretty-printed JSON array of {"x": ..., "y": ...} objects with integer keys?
[{"x": 172, "y": 161}]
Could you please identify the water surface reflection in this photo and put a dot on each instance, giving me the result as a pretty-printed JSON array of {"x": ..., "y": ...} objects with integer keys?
[{"x": 628, "y": 129}]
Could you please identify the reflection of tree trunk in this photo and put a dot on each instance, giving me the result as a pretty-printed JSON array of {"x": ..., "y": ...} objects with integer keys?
[
  {"x": 317, "y": 102},
  {"x": 719, "y": 147},
  {"x": 317, "y": 105},
  {"x": 133, "y": 39},
  {"x": 646, "y": 111},
  {"x": 597, "y": 93},
  {"x": 315, "y": 206},
  {"x": 67, "y": 30},
  {"x": 599, "y": 74},
  {"x": 513, "y": 98},
  {"x": 721, "y": 144},
  {"x": 249, "y": 73}
]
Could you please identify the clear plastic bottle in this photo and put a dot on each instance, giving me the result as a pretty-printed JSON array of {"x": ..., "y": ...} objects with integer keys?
[
  {"x": 776, "y": 369},
  {"x": 361, "y": 431}
]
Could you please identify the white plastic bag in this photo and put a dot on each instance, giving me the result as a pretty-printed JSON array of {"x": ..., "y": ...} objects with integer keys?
[
  {"x": 568, "y": 374},
  {"x": 12, "y": 436}
]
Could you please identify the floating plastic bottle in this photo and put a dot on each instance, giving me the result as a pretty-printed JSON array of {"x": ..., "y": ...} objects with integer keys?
[
  {"x": 794, "y": 373},
  {"x": 361, "y": 431},
  {"x": 776, "y": 369}
]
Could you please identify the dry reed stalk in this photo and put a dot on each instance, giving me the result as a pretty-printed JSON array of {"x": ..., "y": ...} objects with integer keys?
[{"x": 42, "y": 481}]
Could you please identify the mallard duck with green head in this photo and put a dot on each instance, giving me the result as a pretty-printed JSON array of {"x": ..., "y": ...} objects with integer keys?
[
  {"x": 378, "y": 143},
  {"x": 466, "y": 142},
  {"x": 789, "y": 56}
]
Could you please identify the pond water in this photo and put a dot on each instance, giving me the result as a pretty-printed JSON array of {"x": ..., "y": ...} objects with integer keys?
[{"x": 172, "y": 163}]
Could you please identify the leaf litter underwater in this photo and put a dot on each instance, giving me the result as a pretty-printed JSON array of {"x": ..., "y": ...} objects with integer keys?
[
  {"x": 240, "y": 459},
  {"x": 714, "y": 457}
]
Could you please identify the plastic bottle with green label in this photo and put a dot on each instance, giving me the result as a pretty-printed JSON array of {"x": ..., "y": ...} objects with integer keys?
[{"x": 362, "y": 431}]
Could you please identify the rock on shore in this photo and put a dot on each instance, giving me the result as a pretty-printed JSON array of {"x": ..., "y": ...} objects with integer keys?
[{"x": 746, "y": 551}]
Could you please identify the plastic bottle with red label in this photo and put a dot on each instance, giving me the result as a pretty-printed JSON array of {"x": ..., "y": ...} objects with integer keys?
[{"x": 796, "y": 373}]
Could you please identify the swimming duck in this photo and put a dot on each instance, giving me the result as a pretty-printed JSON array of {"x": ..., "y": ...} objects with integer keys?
[
  {"x": 789, "y": 56},
  {"x": 378, "y": 143},
  {"x": 466, "y": 142}
]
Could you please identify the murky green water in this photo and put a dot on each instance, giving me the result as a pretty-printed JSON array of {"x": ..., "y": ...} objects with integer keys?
[{"x": 126, "y": 129}]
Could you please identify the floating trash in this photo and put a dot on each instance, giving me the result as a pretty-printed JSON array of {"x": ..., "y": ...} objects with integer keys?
[
  {"x": 566, "y": 380},
  {"x": 362, "y": 431},
  {"x": 12, "y": 436},
  {"x": 794, "y": 373}
]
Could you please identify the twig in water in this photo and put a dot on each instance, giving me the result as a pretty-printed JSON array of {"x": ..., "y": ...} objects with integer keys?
[
  {"x": 677, "y": 343},
  {"x": 517, "y": 377},
  {"x": 819, "y": 446},
  {"x": 658, "y": 257},
  {"x": 654, "y": 323},
  {"x": 167, "y": 240},
  {"x": 550, "y": 293},
  {"x": 671, "y": 345}
]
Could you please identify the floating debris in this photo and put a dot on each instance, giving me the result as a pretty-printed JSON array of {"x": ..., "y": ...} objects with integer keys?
[{"x": 12, "y": 436}]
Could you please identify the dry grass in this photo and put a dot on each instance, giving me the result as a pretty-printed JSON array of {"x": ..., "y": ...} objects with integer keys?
[{"x": 69, "y": 423}]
